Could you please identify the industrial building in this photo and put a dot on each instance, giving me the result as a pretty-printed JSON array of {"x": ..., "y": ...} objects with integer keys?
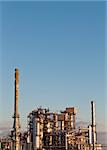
[
  {"x": 47, "y": 130},
  {"x": 57, "y": 131}
]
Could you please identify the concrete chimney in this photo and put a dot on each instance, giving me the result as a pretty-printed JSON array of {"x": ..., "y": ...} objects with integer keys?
[{"x": 16, "y": 125}]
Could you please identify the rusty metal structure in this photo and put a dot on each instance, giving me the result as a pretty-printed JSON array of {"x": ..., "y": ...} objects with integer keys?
[
  {"x": 57, "y": 131},
  {"x": 15, "y": 133}
]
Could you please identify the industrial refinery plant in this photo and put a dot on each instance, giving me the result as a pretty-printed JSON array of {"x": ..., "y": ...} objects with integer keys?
[{"x": 47, "y": 130}]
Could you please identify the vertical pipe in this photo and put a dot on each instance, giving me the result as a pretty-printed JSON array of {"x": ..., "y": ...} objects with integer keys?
[
  {"x": 93, "y": 124},
  {"x": 90, "y": 135},
  {"x": 66, "y": 142},
  {"x": 74, "y": 121}
]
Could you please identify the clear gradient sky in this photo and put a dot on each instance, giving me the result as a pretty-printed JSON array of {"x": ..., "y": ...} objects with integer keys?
[{"x": 59, "y": 48}]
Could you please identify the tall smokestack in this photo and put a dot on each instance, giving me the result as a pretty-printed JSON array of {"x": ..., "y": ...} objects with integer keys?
[
  {"x": 16, "y": 91},
  {"x": 16, "y": 125},
  {"x": 93, "y": 115}
]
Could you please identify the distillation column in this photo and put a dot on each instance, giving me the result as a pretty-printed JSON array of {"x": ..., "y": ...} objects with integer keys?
[
  {"x": 93, "y": 124},
  {"x": 16, "y": 125}
]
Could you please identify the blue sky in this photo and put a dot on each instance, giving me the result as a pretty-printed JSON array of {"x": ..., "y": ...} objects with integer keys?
[{"x": 59, "y": 48}]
